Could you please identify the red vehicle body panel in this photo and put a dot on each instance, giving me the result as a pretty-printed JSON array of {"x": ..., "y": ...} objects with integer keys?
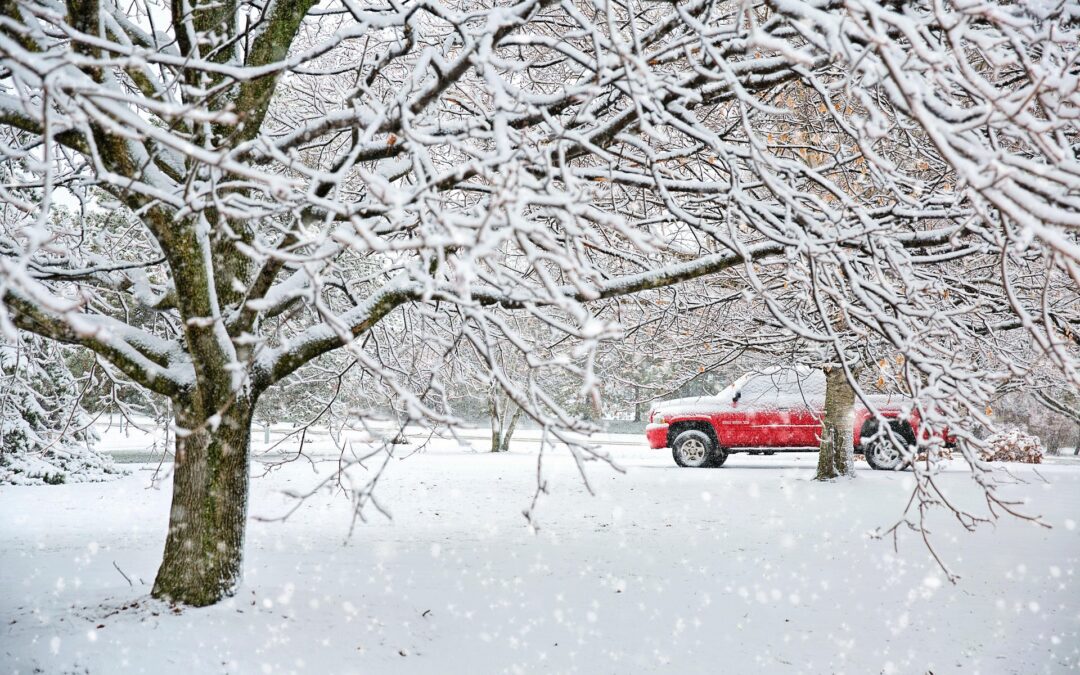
[{"x": 656, "y": 435}]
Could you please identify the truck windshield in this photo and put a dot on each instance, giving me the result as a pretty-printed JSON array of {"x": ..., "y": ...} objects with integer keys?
[{"x": 728, "y": 392}]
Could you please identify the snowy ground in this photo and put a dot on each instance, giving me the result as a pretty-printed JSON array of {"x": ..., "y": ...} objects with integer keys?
[{"x": 749, "y": 568}]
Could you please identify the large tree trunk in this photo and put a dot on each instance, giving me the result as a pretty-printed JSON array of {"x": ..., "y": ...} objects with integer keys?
[
  {"x": 837, "y": 455},
  {"x": 204, "y": 548}
]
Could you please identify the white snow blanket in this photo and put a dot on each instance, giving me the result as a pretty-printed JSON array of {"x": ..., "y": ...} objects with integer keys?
[{"x": 750, "y": 568}]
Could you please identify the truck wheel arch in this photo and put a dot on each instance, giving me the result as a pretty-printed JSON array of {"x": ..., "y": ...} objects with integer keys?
[
  {"x": 901, "y": 428},
  {"x": 704, "y": 426}
]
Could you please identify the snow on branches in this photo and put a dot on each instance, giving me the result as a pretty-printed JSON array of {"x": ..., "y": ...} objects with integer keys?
[
  {"x": 257, "y": 185},
  {"x": 45, "y": 433}
]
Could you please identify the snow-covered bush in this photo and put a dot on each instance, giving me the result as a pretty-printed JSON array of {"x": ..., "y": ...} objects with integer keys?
[
  {"x": 1012, "y": 445},
  {"x": 63, "y": 463},
  {"x": 45, "y": 436}
]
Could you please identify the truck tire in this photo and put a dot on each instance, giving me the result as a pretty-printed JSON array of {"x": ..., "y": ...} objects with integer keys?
[
  {"x": 695, "y": 450},
  {"x": 881, "y": 454}
]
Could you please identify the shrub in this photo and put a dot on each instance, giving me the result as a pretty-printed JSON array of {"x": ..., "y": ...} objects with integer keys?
[{"x": 1012, "y": 445}]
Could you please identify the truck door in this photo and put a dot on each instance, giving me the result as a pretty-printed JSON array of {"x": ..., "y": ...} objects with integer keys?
[
  {"x": 766, "y": 423},
  {"x": 785, "y": 407}
]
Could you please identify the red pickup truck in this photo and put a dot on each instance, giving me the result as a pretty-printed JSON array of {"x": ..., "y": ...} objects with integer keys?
[{"x": 774, "y": 410}]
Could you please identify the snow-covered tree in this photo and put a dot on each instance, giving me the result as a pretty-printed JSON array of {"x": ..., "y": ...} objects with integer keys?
[
  {"x": 303, "y": 178},
  {"x": 45, "y": 433}
]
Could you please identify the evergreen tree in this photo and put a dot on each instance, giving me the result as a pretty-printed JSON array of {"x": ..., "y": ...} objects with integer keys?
[{"x": 45, "y": 433}]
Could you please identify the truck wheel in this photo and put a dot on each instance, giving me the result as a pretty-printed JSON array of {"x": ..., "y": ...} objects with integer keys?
[
  {"x": 695, "y": 449},
  {"x": 880, "y": 453}
]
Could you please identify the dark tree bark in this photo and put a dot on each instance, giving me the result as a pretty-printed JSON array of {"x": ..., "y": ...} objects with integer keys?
[
  {"x": 837, "y": 455},
  {"x": 203, "y": 555}
]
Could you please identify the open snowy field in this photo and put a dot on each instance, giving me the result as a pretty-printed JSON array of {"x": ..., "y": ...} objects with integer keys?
[{"x": 749, "y": 568}]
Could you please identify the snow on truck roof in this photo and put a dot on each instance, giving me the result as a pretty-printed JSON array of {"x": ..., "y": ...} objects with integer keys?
[
  {"x": 779, "y": 385},
  {"x": 771, "y": 386}
]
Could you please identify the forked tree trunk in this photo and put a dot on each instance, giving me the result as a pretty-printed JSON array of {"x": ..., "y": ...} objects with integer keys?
[
  {"x": 502, "y": 429},
  {"x": 204, "y": 548},
  {"x": 837, "y": 455},
  {"x": 508, "y": 433}
]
